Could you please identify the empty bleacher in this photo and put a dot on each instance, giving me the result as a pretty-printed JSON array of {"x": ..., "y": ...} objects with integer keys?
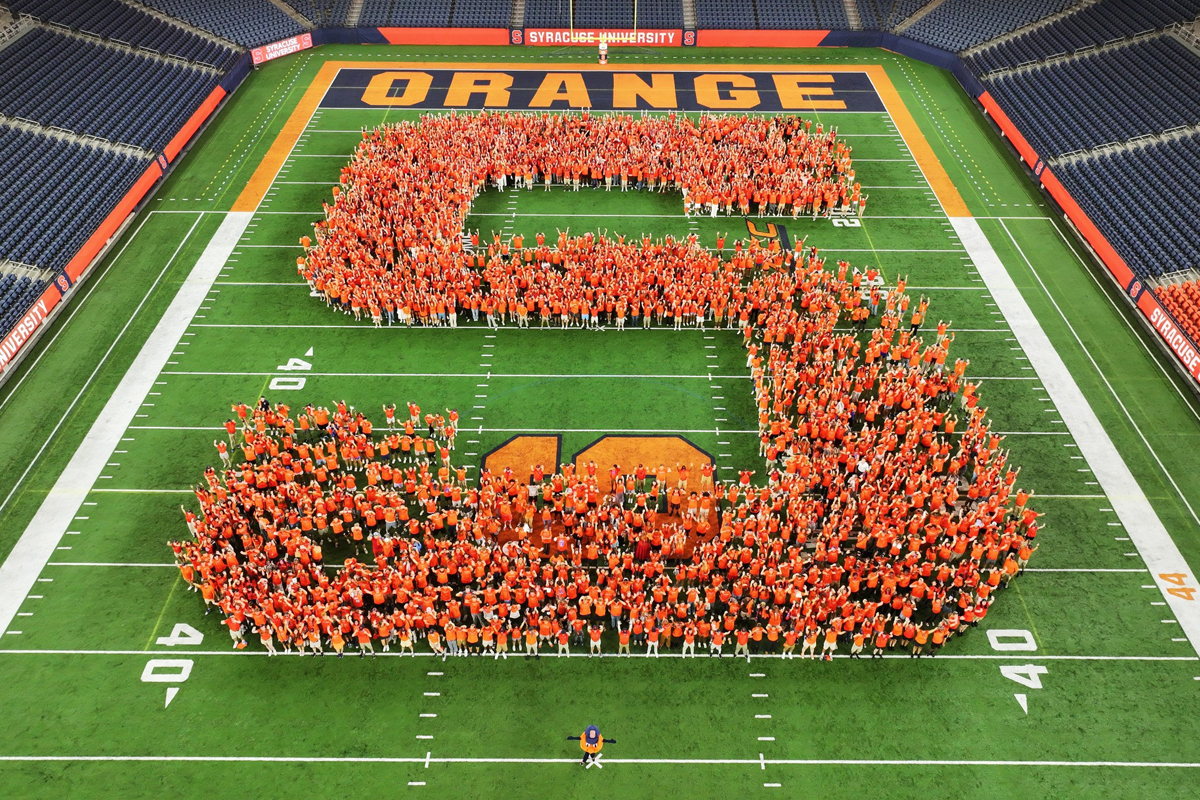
[
  {"x": 17, "y": 294},
  {"x": 129, "y": 98},
  {"x": 958, "y": 24},
  {"x": 549, "y": 13},
  {"x": 1145, "y": 199},
  {"x": 650, "y": 14},
  {"x": 115, "y": 20},
  {"x": 61, "y": 190},
  {"x": 1089, "y": 26},
  {"x": 1109, "y": 96},
  {"x": 902, "y": 10},
  {"x": 247, "y": 22},
  {"x": 481, "y": 13},
  {"x": 406, "y": 13},
  {"x": 802, "y": 14}
]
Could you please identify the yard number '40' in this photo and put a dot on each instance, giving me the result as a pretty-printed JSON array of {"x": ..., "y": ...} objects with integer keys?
[{"x": 1028, "y": 675}]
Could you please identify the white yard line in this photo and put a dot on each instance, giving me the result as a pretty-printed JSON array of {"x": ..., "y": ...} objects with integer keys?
[
  {"x": 492, "y": 375},
  {"x": 752, "y": 762},
  {"x": 1138, "y": 336},
  {"x": 516, "y": 661},
  {"x": 1151, "y": 539},
  {"x": 36, "y": 545},
  {"x": 86, "y": 384}
]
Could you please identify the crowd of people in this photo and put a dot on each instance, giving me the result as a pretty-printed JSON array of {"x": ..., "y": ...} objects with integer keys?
[
  {"x": 888, "y": 519},
  {"x": 391, "y": 245}
]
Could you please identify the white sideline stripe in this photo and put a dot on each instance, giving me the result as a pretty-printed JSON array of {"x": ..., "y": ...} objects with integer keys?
[
  {"x": 143, "y": 491},
  {"x": 1065, "y": 569},
  {"x": 704, "y": 377},
  {"x": 756, "y": 762},
  {"x": 87, "y": 383},
  {"x": 33, "y": 550},
  {"x": 517, "y": 662},
  {"x": 1151, "y": 539}
]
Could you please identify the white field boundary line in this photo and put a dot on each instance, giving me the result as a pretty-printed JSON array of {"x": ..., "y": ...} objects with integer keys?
[
  {"x": 499, "y": 375},
  {"x": 37, "y": 544},
  {"x": 1146, "y": 531},
  {"x": 517, "y": 662},
  {"x": 103, "y": 359},
  {"x": 751, "y": 762},
  {"x": 727, "y": 762},
  {"x": 492, "y": 375}
]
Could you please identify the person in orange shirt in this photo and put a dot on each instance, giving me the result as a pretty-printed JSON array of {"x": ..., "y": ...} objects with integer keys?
[
  {"x": 594, "y": 632},
  {"x": 743, "y": 644},
  {"x": 531, "y": 643},
  {"x": 830, "y": 646},
  {"x": 716, "y": 643}
]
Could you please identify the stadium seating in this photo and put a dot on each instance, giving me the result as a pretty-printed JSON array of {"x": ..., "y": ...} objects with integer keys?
[
  {"x": 720, "y": 14},
  {"x": 115, "y": 20},
  {"x": 803, "y": 15},
  {"x": 1183, "y": 301},
  {"x": 549, "y": 13},
  {"x": 17, "y": 294},
  {"x": 63, "y": 190},
  {"x": 650, "y": 14},
  {"x": 1145, "y": 200},
  {"x": 902, "y": 10},
  {"x": 958, "y": 24},
  {"x": 247, "y": 22},
  {"x": 481, "y": 13},
  {"x": 128, "y": 98},
  {"x": 1111, "y": 96},
  {"x": 406, "y": 13},
  {"x": 1091, "y": 25}
]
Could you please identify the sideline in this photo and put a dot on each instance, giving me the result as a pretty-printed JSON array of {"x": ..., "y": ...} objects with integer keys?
[
  {"x": 37, "y": 544},
  {"x": 1146, "y": 531}
]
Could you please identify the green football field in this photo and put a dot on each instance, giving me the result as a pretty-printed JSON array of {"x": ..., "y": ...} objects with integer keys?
[{"x": 1080, "y": 683}]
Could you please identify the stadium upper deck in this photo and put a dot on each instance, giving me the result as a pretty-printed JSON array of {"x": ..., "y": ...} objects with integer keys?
[{"x": 1042, "y": 63}]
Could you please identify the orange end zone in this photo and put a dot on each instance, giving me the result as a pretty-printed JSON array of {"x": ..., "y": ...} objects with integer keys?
[{"x": 943, "y": 187}]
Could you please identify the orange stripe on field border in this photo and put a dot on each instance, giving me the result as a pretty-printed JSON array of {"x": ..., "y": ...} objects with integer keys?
[
  {"x": 945, "y": 190},
  {"x": 268, "y": 168},
  {"x": 918, "y": 145}
]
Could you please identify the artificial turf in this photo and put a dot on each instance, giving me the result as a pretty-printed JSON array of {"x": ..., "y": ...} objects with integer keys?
[{"x": 245, "y": 704}]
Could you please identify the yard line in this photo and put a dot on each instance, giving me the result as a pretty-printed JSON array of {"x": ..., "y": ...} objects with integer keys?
[
  {"x": 754, "y": 762},
  {"x": 839, "y": 657},
  {"x": 1081, "y": 569},
  {"x": 87, "y": 384},
  {"x": 103, "y": 564},
  {"x": 1154, "y": 544},
  {"x": 145, "y": 491},
  {"x": 77, "y": 304},
  {"x": 705, "y": 377},
  {"x": 33, "y": 550}
]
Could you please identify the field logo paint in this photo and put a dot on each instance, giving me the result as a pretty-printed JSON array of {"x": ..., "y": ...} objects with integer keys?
[
  {"x": 774, "y": 232},
  {"x": 643, "y": 90}
]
